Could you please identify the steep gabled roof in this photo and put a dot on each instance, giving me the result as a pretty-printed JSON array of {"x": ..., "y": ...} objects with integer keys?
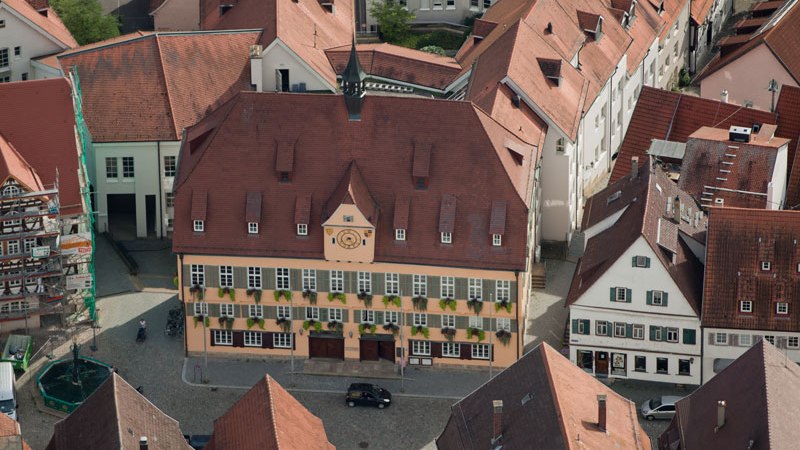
[
  {"x": 738, "y": 241},
  {"x": 671, "y": 116},
  {"x": 12, "y": 164},
  {"x": 268, "y": 418},
  {"x": 114, "y": 417},
  {"x": 644, "y": 202},
  {"x": 761, "y": 380},
  {"x": 49, "y": 22},
  {"x": 353, "y": 190},
  {"x": 547, "y": 402},
  {"x": 698, "y": 10},
  {"x": 467, "y": 149},
  {"x": 166, "y": 89}
]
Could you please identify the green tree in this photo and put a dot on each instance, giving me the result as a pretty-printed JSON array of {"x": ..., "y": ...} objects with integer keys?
[
  {"x": 85, "y": 20},
  {"x": 394, "y": 20},
  {"x": 435, "y": 49}
]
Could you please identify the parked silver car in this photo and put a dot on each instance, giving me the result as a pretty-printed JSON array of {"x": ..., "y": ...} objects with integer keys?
[{"x": 660, "y": 407}]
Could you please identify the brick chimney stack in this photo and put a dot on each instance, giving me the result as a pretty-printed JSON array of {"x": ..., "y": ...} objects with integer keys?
[
  {"x": 497, "y": 420},
  {"x": 601, "y": 411}
]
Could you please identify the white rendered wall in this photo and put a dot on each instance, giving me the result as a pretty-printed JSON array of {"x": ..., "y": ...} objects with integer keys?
[{"x": 18, "y": 33}]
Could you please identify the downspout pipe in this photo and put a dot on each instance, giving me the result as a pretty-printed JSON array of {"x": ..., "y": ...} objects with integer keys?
[
  {"x": 520, "y": 329},
  {"x": 183, "y": 305},
  {"x": 160, "y": 220}
]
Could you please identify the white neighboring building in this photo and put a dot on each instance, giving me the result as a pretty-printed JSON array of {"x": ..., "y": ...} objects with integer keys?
[
  {"x": 635, "y": 297},
  {"x": 26, "y": 34},
  {"x": 751, "y": 288}
]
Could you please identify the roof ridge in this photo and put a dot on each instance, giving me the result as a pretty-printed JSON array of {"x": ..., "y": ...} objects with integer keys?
[
  {"x": 770, "y": 425},
  {"x": 272, "y": 411},
  {"x": 172, "y": 118},
  {"x": 114, "y": 381},
  {"x": 554, "y": 394}
]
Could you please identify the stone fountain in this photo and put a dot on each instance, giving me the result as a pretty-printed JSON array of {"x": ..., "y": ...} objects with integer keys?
[{"x": 66, "y": 383}]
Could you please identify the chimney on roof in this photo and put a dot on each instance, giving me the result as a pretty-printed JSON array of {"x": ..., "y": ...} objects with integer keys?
[
  {"x": 739, "y": 134},
  {"x": 601, "y": 411},
  {"x": 723, "y": 96},
  {"x": 634, "y": 167},
  {"x": 256, "y": 67},
  {"x": 497, "y": 420},
  {"x": 676, "y": 209},
  {"x": 143, "y": 443},
  {"x": 720, "y": 414}
]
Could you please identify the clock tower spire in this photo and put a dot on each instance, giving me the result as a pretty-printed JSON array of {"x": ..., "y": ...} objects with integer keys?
[{"x": 353, "y": 85}]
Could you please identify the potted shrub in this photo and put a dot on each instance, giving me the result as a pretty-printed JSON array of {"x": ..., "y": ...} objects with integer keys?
[
  {"x": 287, "y": 294},
  {"x": 311, "y": 323},
  {"x": 226, "y": 322},
  {"x": 311, "y": 296},
  {"x": 255, "y": 320},
  {"x": 472, "y": 332},
  {"x": 475, "y": 304},
  {"x": 446, "y": 302},
  {"x": 393, "y": 299},
  {"x": 420, "y": 329},
  {"x": 449, "y": 333},
  {"x": 502, "y": 304},
  {"x": 392, "y": 327},
  {"x": 284, "y": 323},
  {"x": 504, "y": 336},
  {"x": 336, "y": 326},
  {"x": 229, "y": 291},
  {"x": 202, "y": 318},
  {"x": 255, "y": 293},
  {"x": 197, "y": 290},
  {"x": 367, "y": 328},
  {"x": 420, "y": 303},
  {"x": 337, "y": 296},
  {"x": 366, "y": 298}
]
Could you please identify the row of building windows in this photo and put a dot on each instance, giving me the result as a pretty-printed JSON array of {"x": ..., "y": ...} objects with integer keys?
[
  {"x": 451, "y": 349},
  {"x": 634, "y": 331},
  {"x": 112, "y": 168},
  {"x": 366, "y": 316},
  {"x": 586, "y": 360},
  {"x": 447, "y": 285},
  {"x": 746, "y": 340},
  {"x": 252, "y": 338},
  {"x": 12, "y": 247},
  {"x": 625, "y": 295},
  {"x": 746, "y": 306}
]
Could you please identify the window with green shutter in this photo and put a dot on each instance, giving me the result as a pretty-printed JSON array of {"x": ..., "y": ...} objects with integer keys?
[
  {"x": 620, "y": 294},
  {"x": 689, "y": 336},
  {"x": 640, "y": 261},
  {"x": 656, "y": 333}
]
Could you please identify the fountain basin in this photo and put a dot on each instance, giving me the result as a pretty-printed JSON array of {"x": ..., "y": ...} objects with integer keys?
[{"x": 58, "y": 389}]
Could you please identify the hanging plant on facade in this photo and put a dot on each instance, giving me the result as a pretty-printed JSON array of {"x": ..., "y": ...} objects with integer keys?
[
  {"x": 392, "y": 327},
  {"x": 367, "y": 328},
  {"x": 502, "y": 304},
  {"x": 472, "y": 332},
  {"x": 475, "y": 305},
  {"x": 504, "y": 336},
  {"x": 337, "y": 296},
  {"x": 420, "y": 303},
  {"x": 199, "y": 318},
  {"x": 256, "y": 294},
  {"x": 420, "y": 329},
  {"x": 197, "y": 291},
  {"x": 311, "y": 296},
  {"x": 446, "y": 302},
  {"x": 255, "y": 320},
  {"x": 311, "y": 323},
  {"x": 336, "y": 326},
  {"x": 449, "y": 333},
  {"x": 284, "y": 323},
  {"x": 282, "y": 293},
  {"x": 393, "y": 299},
  {"x": 230, "y": 292},
  {"x": 366, "y": 298}
]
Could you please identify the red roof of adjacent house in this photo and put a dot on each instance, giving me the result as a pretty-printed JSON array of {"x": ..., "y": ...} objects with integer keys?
[
  {"x": 644, "y": 28},
  {"x": 49, "y": 23},
  {"x": 781, "y": 35},
  {"x": 642, "y": 201},
  {"x": 788, "y": 111},
  {"x": 399, "y": 63},
  {"x": 151, "y": 87},
  {"x": 11, "y": 433},
  {"x": 761, "y": 391},
  {"x": 466, "y": 149},
  {"x": 739, "y": 240},
  {"x": 672, "y": 116},
  {"x": 39, "y": 4},
  {"x": 547, "y": 403},
  {"x": 115, "y": 417},
  {"x": 709, "y": 172},
  {"x": 268, "y": 418},
  {"x": 305, "y": 26},
  {"x": 672, "y": 12},
  {"x": 38, "y": 120},
  {"x": 12, "y": 164},
  {"x": 698, "y": 10}
]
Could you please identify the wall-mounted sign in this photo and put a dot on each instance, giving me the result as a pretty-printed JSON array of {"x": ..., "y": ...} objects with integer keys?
[
  {"x": 79, "y": 281},
  {"x": 76, "y": 244},
  {"x": 40, "y": 252}
]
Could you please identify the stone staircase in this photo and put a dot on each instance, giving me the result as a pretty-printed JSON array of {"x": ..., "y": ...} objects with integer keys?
[
  {"x": 576, "y": 247},
  {"x": 538, "y": 276}
]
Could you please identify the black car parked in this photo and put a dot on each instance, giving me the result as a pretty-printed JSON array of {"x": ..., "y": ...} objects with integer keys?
[{"x": 368, "y": 394}]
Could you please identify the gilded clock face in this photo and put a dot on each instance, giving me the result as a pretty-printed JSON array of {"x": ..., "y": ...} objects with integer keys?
[{"x": 348, "y": 239}]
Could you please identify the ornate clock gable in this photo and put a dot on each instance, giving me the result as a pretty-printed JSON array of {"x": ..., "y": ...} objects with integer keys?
[{"x": 351, "y": 217}]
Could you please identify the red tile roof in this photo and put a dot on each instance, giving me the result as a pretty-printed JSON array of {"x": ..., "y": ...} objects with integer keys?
[
  {"x": 644, "y": 201},
  {"x": 29, "y": 107},
  {"x": 468, "y": 149},
  {"x": 10, "y": 434},
  {"x": 698, "y": 10},
  {"x": 708, "y": 173},
  {"x": 547, "y": 403},
  {"x": 738, "y": 241},
  {"x": 12, "y": 164},
  {"x": 788, "y": 110},
  {"x": 39, "y": 4},
  {"x": 781, "y": 35},
  {"x": 644, "y": 28},
  {"x": 672, "y": 116},
  {"x": 399, "y": 63},
  {"x": 761, "y": 391},
  {"x": 672, "y": 12},
  {"x": 114, "y": 417},
  {"x": 50, "y": 24},
  {"x": 268, "y": 418},
  {"x": 166, "y": 90},
  {"x": 305, "y": 26}
]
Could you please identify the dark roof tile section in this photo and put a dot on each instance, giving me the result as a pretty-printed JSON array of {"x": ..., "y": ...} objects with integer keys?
[
  {"x": 199, "y": 204},
  {"x": 739, "y": 240},
  {"x": 114, "y": 417},
  {"x": 284, "y": 161},
  {"x": 643, "y": 201},
  {"x": 252, "y": 212},
  {"x": 447, "y": 214},
  {"x": 401, "y": 208},
  {"x": 761, "y": 394},
  {"x": 268, "y": 418},
  {"x": 497, "y": 223},
  {"x": 29, "y": 109},
  {"x": 302, "y": 209},
  {"x": 166, "y": 90},
  {"x": 465, "y": 144},
  {"x": 547, "y": 403},
  {"x": 672, "y": 116},
  {"x": 422, "y": 160}
]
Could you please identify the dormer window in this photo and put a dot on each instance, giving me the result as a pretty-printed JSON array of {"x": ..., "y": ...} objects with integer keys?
[
  {"x": 252, "y": 227},
  {"x": 497, "y": 240},
  {"x": 302, "y": 229},
  {"x": 746, "y": 306},
  {"x": 348, "y": 219},
  {"x": 614, "y": 196},
  {"x": 782, "y": 308},
  {"x": 199, "y": 226},
  {"x": 400, "y": 234},
  {"x": 591, "y": 23},
  {"x": 447, "y": 238},
  {"x": 551, "y": 69},
  {"x": 766, "y": 265},
  {"x": 285, "y": 177},
  {"x": 421, "y": 183}
]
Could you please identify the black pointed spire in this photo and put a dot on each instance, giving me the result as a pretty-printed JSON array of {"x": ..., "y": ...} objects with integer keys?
[{"x": 353, "y": 84}]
